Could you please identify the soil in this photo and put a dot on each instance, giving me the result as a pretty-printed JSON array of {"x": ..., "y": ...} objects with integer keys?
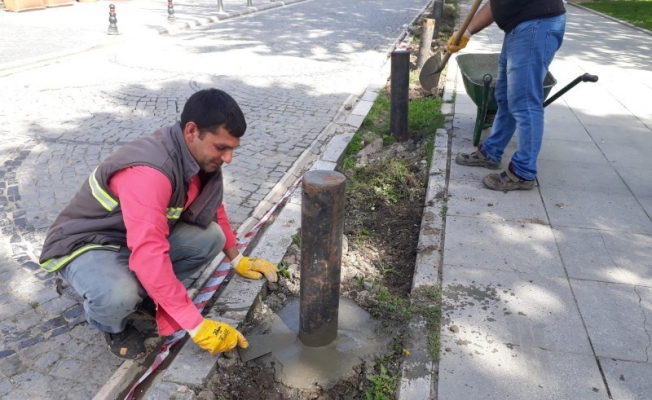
[{"x": 379, "y": 252}]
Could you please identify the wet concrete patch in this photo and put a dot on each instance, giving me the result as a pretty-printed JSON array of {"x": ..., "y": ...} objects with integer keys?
[{"x": 359, "y": 339}]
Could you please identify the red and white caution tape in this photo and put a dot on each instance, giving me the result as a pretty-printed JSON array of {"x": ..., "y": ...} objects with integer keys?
[{"x": 211, "y": 286}]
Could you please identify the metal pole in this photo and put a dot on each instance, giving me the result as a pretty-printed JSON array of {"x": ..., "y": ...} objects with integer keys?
[
  {"x": 220, "y": 6},
  {"x": 322, "y": 225},
  {"x": 400, "y": 86},
  {"x": 437, "y": 11},
  {"x": 250, "y": 3},
  {"x": 113, "y": 21}
]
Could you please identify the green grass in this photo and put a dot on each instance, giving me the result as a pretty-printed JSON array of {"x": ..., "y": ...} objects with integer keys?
[
  {"x": 386, "y": 183},
  {"x": 390, "y": 307},
  {"x": 382, "y": 387},
  {"x": 424, "y": 115},
  {"x": 296, "y": 239},
  {"x": 284, "y": 271},
  {"x": 636, "y": 12},
  {"x": 377, "y": 120}
]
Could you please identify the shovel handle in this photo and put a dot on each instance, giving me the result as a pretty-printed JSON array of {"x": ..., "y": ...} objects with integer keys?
[
  {"x": 458, "y": 35},
  {"x": 467, "y": 22}
]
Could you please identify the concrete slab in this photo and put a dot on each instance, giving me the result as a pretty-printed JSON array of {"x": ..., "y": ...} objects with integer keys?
[
  {"x": 355, "y": 121},
  {"x": 627, "y": 380},
  {"x": 566, "y": 150},
  {"x": 490, "y": 309},
  {"x": 616, "y": 318},
  {"x": 187, "y": 364},
  {"x": 472, "y": 199},
  {"x": 416, "y": 379},
  {"x": 565, "y": 130},
  {"x": 502, "y": 372},
  {"x": 362, "y": 108},
  {"x": 463, "y": 173},
  {"x": 624, "y": 146},
  {"x": 569, "y": 175},
  {"x": 559, "y": 111},
  {"x": 606, "y": 255},
  {"x": 501, "y": 246},
  {"x": 369, "y": 95},
  {"x": 464, "y": 123},
  {"x": 639, "y": 181},
  {"x": 582, "y": 209},
  {"x": 336, "y": 146},
  {"x": 466, "y": 108}
]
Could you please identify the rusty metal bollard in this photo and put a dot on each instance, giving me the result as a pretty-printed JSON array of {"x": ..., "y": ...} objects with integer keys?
[
  {"x": 322, "y": 225},
  {"x": 113, "y": 21}
]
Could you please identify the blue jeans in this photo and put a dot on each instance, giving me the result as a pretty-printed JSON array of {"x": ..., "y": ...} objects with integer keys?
[
  {"x": 527, "y": 52},
  {"x": 111, "y": 291}
]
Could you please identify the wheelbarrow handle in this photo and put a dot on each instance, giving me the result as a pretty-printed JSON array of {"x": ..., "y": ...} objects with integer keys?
[
  {"x": 582, "y": 78},
  {"x": 589, "y": 78}
]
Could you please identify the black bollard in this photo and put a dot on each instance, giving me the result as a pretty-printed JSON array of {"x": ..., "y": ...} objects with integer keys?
[
  {"x": 322, "y": 224},
  {"x": 113, "y": 21},
  {"x": 437, "y": 11},
  {"x": 399, "y": 94},
  {"x": 170, "y": 11},
  {"x": 220, "y": 6}
]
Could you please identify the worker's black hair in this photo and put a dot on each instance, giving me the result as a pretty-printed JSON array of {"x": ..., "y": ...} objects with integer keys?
[{"x": 212, "y": 108}]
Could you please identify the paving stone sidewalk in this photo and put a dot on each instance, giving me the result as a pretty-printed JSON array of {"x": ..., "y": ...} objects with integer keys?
[
  {"x": 291, "y": 69},
  {"x": 52, "y": 33}
]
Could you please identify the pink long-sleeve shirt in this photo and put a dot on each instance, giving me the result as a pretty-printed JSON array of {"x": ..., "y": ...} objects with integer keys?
[{"x": 144, "y": 194}]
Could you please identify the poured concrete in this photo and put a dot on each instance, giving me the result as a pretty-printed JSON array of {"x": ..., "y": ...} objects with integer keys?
[{"x": 359, "y": 339}]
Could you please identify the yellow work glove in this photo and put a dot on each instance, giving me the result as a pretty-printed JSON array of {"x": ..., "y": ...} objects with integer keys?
[
  {"x": 464, "y": 40},
  {"x": 217, "y": 337},
  {"x": 254, "y": 268}
]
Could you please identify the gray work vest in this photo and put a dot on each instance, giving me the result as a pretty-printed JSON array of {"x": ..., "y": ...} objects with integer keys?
[{"x": 93, "y": 218}]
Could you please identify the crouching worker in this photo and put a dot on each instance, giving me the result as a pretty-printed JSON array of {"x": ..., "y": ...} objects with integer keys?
[{"x": 148, "y": 217}]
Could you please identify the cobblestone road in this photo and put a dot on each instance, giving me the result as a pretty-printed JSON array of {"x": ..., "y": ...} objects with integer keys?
[{"x": 290, "y": 69}]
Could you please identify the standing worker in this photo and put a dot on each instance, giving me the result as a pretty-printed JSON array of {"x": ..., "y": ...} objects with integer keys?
[
  {"x": 148, "y": 217},
  {"x": 534, "y": 31}
]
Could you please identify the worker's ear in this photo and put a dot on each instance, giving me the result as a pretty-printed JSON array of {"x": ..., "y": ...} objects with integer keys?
[{"x": 190, "y": 132}]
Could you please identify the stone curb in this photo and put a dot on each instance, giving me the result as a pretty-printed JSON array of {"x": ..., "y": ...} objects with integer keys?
[{"x": 612, "y": 18}]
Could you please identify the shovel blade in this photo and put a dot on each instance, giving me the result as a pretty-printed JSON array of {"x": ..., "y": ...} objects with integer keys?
[{"x": 429, "y": 75}]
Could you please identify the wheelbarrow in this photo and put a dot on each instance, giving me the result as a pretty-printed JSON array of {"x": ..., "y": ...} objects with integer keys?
[{"x": 478, "y": 71}]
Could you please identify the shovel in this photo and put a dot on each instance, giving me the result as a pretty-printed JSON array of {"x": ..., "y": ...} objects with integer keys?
[{"x": 429, "y": 76}]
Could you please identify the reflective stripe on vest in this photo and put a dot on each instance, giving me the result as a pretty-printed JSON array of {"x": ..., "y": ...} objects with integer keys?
[
  {"x": 54, "y": 264},
  {"x": 174, "y": 212},
  {"x": 109, "y": 203},
  {"x": 105, "y": 199}
]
